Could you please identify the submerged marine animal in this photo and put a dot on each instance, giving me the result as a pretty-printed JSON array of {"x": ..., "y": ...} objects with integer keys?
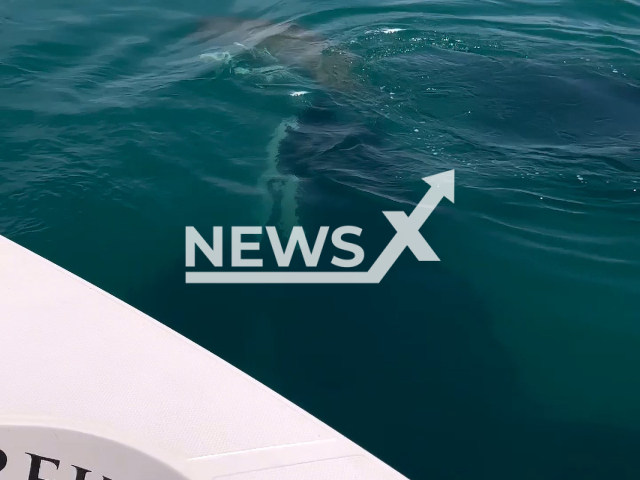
[{"x": 269, "y": 47}]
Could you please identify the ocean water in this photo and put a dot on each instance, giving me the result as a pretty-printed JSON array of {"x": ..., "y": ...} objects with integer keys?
[{"x": 515, "y": 356}]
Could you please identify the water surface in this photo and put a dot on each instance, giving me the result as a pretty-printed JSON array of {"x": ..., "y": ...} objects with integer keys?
[{"x": 516, "y": 356}]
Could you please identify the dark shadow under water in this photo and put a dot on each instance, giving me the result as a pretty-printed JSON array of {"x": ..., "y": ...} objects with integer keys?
[{"x": 409, "y": 368}]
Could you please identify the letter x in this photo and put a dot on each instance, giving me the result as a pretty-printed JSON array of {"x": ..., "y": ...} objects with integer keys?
[{"x": 408, "y": 231}]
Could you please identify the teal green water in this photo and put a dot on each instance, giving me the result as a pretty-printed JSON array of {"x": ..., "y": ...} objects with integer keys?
[{"x": 516, "y": 356}]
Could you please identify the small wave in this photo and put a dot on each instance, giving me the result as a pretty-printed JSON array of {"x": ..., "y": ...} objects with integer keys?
[{"x": 384, "y": 30}]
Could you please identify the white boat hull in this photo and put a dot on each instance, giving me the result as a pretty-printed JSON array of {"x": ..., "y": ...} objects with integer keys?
[{"x": 93, "y": 383}]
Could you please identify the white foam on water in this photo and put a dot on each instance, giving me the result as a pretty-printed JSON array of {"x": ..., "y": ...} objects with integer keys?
[
  {"x": 384, "y": 30},
  {"x": 216, "y": 56},
  {"x": 299, "y": 93}
]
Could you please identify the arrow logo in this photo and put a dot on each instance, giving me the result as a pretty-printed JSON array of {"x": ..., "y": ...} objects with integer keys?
[{"x": 407, "y": 236}]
